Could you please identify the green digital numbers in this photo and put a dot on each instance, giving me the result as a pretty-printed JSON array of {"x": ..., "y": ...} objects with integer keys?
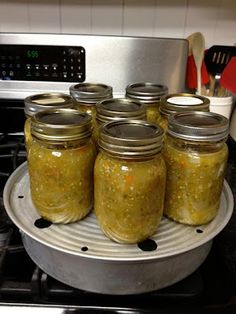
[{"x": 32, "y": 54}]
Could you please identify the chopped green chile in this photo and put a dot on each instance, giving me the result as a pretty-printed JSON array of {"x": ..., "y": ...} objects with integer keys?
[
  {"x": 129, "y": 196},
  {"x": 88, "y": 108},
  {"x": 162, "y": 122},
  {"x": 152, "y": 111},
  {"x": 61, "y": 179},
  {"x": 195, "y": 175}
]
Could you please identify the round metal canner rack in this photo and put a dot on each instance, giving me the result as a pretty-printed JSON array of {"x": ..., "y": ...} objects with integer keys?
[{"x": 80, "y": 255}]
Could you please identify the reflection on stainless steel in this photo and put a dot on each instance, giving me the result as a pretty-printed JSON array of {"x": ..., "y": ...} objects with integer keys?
[{"x": 125, "y": 60}]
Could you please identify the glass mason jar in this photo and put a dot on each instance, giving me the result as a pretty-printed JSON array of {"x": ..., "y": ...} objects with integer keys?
[
  {"x": 61, "y": 159},
  {"x": 173, "y": 103},
  {"x": 129, "y": 180},
  {"x": 86, "y": 95},
  {"x": 117, "y": 109},
  {"x": 196, "y": 156},
  {"x": 40, "y": 102},
  {"x": 149, "y": 94}
]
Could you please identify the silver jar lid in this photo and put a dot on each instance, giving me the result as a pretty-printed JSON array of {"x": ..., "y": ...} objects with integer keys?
[
  {"x": 39, "y": 102},
  {"x": 173, "y": 103},
  {"x": 131, "y": 139},
  {"x": 198, "y": 126},
  {"x": 120, "y": 108},
  {"x": 90, "y": 93},
  {"x": 146, "y": 92},
  {"x": 61, "y": 125}
]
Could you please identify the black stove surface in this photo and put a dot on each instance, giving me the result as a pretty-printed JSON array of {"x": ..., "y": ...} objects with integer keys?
[{"x": 210, "y": 289}]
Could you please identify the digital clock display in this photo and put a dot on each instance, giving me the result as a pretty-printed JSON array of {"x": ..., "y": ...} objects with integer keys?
[
  {"x": 32, "y": 54},
  {"x": 42, "y": 63}
]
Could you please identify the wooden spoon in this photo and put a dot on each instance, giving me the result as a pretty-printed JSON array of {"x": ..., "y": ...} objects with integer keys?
[
  {"x": 198, "y": 71},
  {"x": 198, "y": 48}
]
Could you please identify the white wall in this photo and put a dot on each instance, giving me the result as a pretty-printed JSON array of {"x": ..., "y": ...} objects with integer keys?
[{"x": 216, "y": 19}]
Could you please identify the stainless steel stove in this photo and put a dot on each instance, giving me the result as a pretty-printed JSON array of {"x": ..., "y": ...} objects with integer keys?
[{"x": 33, "y": 63}]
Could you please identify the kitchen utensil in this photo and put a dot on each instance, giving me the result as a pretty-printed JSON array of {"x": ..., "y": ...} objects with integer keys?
[
  {"x": 216, "y": 59},
  {"x": 81, "y": 256},
  {"x": 191, "y": 73},
  {"x": 198, "y": 47}
]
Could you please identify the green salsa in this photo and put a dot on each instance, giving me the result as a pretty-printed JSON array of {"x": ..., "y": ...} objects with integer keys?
[
  {"x": 61, "y": 180},
  {"x": 152, "y": 112},
  {"x": 129, "y": 196},
  {"x": 195, "y": 175}
]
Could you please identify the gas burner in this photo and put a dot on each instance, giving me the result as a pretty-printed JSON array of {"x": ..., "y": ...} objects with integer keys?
[
  {"x": 12, "y": 154},
  {"x": 4, "y": 232}
]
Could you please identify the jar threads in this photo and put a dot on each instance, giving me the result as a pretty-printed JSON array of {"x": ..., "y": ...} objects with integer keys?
[
  {"x": 115, "y": 109},
  {"x": 87, "y": 95},
  {"x": 150, "y": 95},
  {"x": 178, "y": 102},
  {"x": 39, "y": 102}
]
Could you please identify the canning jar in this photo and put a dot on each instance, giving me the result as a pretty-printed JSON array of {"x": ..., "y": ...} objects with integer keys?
[
  {"x": 173, "y": 103},
  {"x": 86, "y": 95},
  {"x": 149, "y": 94},
  {"x": 129, "y": 180},
  {"x": 61, "y": 159},
  {"x": 196, "y": 156},
  {"x": 40, "y": 102},
  {"x": 114, "y": 109}
]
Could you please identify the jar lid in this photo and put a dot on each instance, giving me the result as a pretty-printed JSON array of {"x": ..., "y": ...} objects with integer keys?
[
  {"x": 146, "y": 92},
  {"x": 61, "y": 125},
  {"x": 198, "y": 126},
  {"x": 131, "y": 139},
  {"x": 90, "y": 93},
  {"x": 39, "y": 102},
  {"x": 120, "y": 108},
  {"x": 173, "y": 103}
]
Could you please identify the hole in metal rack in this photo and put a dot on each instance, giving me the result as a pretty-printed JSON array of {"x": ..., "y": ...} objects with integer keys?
[
  {"x": 42, "y": 223},
  {"x": 20, "y": 196},
  {"x": 84, "y": 248},
  {"x": 147, "y": 245},
  {"x": 199, "y": 230}
]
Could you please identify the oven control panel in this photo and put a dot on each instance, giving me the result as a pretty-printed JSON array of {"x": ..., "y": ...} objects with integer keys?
[{"x": 42, "y": 63}]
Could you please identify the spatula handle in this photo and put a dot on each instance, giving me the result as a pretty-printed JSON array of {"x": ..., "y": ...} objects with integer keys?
[{"x": 217, "y": 84}]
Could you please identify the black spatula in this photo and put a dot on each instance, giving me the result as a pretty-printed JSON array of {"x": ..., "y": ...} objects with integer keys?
[{"x": 216, "y": 59}]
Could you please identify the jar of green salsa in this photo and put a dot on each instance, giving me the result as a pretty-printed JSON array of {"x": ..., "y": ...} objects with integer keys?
[
  {"x": 173, "y": 103},
  {"x": 61, "y": 160},
  {"x": 196, "y": 156},
  {"x": 149, "y": 94},
  {"x": 114, "y": 109},
  {"x": 129, "y": 180},
  {"x": 86, "y": 95},
  {"x": 40, "y": 102}
]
